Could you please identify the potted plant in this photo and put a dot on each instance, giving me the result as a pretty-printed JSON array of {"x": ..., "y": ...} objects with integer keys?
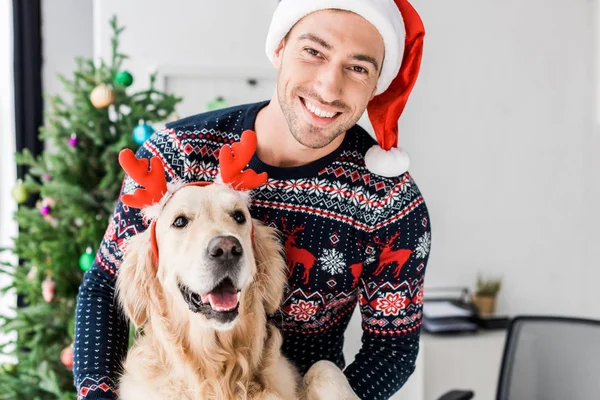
[{"x": 485, "y": 295}]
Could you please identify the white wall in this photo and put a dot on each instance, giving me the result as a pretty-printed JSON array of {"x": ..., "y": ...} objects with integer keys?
[
  {"x": 7, "y": 138},
  {"x": 500, "y": 128},
  {"x": 67, "y": 32},
  {"x": 592, "y": 165},
  {"x": 222, "y": 34}
]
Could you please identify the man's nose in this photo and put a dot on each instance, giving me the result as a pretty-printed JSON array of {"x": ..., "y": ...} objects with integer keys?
[
  {"x": 224, "y": 248},
  {"x": 330, "y": 83}
]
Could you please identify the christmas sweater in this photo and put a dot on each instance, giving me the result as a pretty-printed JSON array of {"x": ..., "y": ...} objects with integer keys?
[{"x": 351, "y": 237}]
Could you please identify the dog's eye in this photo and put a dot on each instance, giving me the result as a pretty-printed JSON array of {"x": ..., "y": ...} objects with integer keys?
[
  {"x": 180, "y": 222},
  {"x": 239, "y": 217}
]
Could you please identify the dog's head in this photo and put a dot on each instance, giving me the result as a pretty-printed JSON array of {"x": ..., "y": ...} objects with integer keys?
[
  {"x": 211, "y": 253},
  {"x": 205, "y": 238}
]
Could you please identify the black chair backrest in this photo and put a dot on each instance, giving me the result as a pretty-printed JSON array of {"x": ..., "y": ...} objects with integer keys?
[{"x": 551, "y": 358}]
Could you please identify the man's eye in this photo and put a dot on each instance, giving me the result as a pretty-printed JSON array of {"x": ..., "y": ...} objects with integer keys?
[
  {"x": 239, "y": 217},
  {"x": 180, "y": 222},
  {"x": 313, "y": 52},
  {"x": 360, "y": 70}
]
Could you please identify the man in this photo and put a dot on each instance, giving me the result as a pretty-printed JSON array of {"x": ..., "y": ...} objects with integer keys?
[{"x": 355, "y": 225}]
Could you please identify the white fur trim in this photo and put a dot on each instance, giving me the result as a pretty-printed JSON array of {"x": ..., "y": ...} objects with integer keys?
[
  {"x": 384, "y": 15},
  {"x": 245, "y": 195},
  {"x": 175, "y": 185},
  {"x": 152, "y": 212},
  {"x": 390, "y": 163}
]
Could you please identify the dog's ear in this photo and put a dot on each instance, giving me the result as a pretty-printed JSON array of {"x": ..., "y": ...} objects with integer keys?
[
  {"x": 137, "y": 283},
  {"x": 271, "y": 267}
]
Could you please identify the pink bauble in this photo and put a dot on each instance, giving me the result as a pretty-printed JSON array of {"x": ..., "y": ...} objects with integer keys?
[
  {"x": 48, "y": 290},
  {"x": 66, "y": 357},
  {"x": 45, "y": 209},
  {"x": 73, "y": 141}
]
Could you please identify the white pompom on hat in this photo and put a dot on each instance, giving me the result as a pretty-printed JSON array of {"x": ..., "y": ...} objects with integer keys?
[{"x": 402, "y": 31}]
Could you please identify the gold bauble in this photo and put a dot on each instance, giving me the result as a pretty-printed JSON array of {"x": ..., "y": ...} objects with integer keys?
[{"x": 102, "y": 96}]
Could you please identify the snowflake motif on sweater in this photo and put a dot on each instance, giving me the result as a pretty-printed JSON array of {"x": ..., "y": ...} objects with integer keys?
[
  {"x": 351, "y": 237},
  {"x": 332, "y": 261}
]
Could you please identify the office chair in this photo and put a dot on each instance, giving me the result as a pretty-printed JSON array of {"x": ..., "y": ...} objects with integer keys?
[{"x": 547, "y": 358}]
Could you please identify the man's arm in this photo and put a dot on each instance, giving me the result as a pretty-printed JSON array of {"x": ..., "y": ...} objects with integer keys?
[
  {"x": 101, "y": 330},
  {"x": 391, "y": 297}
]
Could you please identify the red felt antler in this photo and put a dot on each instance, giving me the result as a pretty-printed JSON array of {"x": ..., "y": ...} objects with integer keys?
[
  {"x": 232, "y": 159},
  {"x": 153, "y": 180}
]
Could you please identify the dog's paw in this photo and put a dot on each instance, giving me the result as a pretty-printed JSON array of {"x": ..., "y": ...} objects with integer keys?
[{"x": 325, "y": 381}]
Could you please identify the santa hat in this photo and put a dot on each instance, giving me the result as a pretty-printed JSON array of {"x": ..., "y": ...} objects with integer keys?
[{"x": 402, "y": 31}]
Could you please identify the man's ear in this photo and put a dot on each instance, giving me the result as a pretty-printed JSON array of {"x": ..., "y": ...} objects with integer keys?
[
  {"x": 137, "y": 284},
  {"x": 278, "y": 55},
  {"x": 378, "y": 76},
  {"x": 373, "y": 94}
]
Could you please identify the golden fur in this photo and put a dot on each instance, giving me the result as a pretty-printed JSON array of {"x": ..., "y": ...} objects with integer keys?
[{"x": 183, "y": 355}]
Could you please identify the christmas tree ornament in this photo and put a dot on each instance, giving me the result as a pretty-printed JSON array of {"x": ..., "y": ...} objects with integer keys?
[
  {"x": 19, "y": 192},
  {"x": 124, "y": 78},
  {"x": 216, "y": 104},
  {"x": 8, "y": 368},
  {"x": 32, "y": 273},
  {"x": 142, "y": 132},
  {"x": 46, "y": 207},
  {"x": 102, "y": 96},
  {"x": 66, "y": 357},
  {"x": 48, "y": 289},
  {"x": 113, "y": 116},
  {"x": 73, "y": 141},
  {"x": 86, "y": 260}
]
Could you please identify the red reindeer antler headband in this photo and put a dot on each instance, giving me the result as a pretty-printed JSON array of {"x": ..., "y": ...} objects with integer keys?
[{"x": 232, "y": 160}]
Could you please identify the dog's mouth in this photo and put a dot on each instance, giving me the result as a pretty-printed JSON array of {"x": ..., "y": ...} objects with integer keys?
[{"x": 222, "y": 301}]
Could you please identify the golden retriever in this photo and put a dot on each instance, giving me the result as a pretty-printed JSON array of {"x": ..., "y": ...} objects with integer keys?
[{"x": 203, "y": 307}]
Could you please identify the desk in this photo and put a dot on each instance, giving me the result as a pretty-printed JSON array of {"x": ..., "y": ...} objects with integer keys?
[{"x": 462, "y": 362}]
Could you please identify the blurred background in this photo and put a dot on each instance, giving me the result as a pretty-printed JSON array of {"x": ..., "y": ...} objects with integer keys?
[{"x": 501, "y": 128}]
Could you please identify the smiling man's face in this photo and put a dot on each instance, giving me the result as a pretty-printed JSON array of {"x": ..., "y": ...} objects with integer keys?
[{"x": 328, "y": 66}]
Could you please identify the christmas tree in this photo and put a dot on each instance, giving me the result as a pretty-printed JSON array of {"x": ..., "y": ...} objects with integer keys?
[{"x": 77, "y": 183}]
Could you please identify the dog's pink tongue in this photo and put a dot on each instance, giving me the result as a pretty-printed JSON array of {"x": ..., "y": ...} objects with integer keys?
[
  {"x": 223, "y": 298},
  {"x": 223, "y": 301}
]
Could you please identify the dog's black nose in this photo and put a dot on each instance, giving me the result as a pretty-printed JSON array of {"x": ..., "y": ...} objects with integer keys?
[{"x": 224, "y": 248}]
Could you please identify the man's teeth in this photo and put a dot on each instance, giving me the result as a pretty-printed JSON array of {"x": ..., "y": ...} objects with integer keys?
[{"x": 318, "y": 112}]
